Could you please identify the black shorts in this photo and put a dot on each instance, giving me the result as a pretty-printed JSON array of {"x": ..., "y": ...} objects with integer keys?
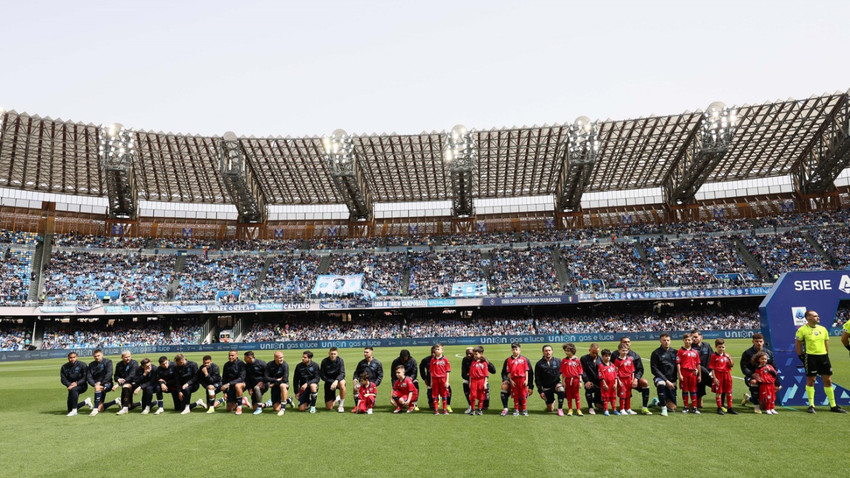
[
  {"x": 818, "y": 365},
  {"x": 330, "y": 395},
  {"x": 276, "y": 395},
  {"x": 549, "y": 393},
  {"x": 304, "y": 397}
]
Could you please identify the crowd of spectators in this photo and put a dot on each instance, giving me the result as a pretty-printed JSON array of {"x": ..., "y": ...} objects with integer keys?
[
  {"x": 710, "y": 226},
  {"x": 76, "y": 276},
  {"x": 184, "y": 243},
  {"x": 224, "y": 278},
  {"x": 433, "y": 273},
  {"x": 14, "y": 337},
  {"x": 529, "y": 271},
  {"x": 382, "y": 272},
  {"x": 15, "y": 271},
  {"x": 275, "y": 245},
  {"x": 120, "y": 334},
  {"x": 290, "y": 277},
  {"x": 18, "y": 237},
  {"x": 597, "y": 267},
  {"x": 698, "y": 261},
  {"x": 787, "y": 251},
  {"x": 99, "y": 242},
  {"x": 836, "y": 242}
]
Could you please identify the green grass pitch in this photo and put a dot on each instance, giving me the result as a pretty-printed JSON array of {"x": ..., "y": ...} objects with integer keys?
[{"x": 39, "y": 440}]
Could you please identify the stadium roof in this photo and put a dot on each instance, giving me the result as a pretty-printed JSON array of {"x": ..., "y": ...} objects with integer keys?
[{"x": 56, "y": 156}]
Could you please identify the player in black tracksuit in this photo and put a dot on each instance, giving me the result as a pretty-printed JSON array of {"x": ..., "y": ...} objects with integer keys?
[
  {"x": 99, "y": 377},
  {"x": 185, "y": 371},
  {"x": 465, "y": 364},
  {"x": 125, "y": 370},
  {"x": 73, "y": 376},
  {"x": 410, "y": 368},
  {"x": 167, "y": 380},
  {"x": 662, "y": 362},
  {"x": 143, "y": 377},
  {"x": 255, "y": 375},
  {"x": 305, "y": 382},
  {"x": 277, "y": 380},
  {"x": 705, "y": 350},
  {"x": 590, "y": 377},
  {"x": 233, "y": 382},
  {"x": 368, "y": 365},
  {"x": 332, "y": 369},
  {"x": 749, "y": 369},
  {"x": 547, "y": 374}
]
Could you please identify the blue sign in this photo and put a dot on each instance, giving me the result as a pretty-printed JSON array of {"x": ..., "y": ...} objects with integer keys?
[{"x": 782, "y": 313}]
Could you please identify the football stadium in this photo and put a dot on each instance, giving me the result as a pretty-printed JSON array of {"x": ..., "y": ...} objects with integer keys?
[{"x": 618, "y": 296}]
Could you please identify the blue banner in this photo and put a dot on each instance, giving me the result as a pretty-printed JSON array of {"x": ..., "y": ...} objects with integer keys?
[
  {"x": 338, "y": 285},
  {"x": 532, "y": 300},
  {"x": 672, "y": 294},
  {"x": 469, "y": 289}
]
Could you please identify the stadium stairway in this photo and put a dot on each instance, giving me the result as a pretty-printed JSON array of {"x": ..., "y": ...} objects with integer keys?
[
  {"x": 820, "y": 250},
  {"x": 561, "y": 270},
  {"x": 179, "y": 265},
  {"x": 488, "y": 257},
  {"x": 751, "y": 261},
  {"x": 325, "y": 264},
  {"x": 258, "y": 287},
  {"x": 642, "y": 255},
  {"x": 40, "y": 260}
]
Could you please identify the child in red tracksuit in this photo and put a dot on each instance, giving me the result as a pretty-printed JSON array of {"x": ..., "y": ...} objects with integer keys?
[
  {"x": 720, "y": 365},
  {"x": 608, "y": 382},
  {"x": 571, "y": 371},
  {"x": 517, "y": 378},
  {"x": 690, "y": 373},
  {"x": 625, "y": 374},
  {"x": 366, "y": 395},
  {"x": 439, "y": 369},
  {"x": 479, "y": 370},
  {"x": 404, "y": 391},
  {"x": 765, "y": 375}
]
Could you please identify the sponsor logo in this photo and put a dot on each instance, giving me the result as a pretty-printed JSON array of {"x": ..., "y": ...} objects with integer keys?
[
  {"x": 799, "y": 316},
  {"x": 844, "y": 286}
]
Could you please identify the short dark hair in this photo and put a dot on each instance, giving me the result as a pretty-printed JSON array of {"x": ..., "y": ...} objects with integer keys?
[
  {"x": 758, "y": 336},
  {"x": 663, "y": 334},
  {"x": 479, "y": 349},
  {"x": 162, "y": 359},
  {"x": 606, "y": 352},
  {"x": 145, "y": 361},
  {"x": 368, "y": 347},
  {"x": 333, "y": 349},
  {"x": 71, "y": 353},
  {"x": 207, "y": 357},
  {"x": 515, "y": 345},
  {"x": 400, "y": 367},
  {"x": 249, "y": 353},
  {"x": 719, "y": 342},
  {"x": 571, "y": 348},
  {"x": 97, "y": 351},
  {"x": 307, "y": 353},
  {"x": 364, "y": 376},
  {"x": 404, "y": 354}
]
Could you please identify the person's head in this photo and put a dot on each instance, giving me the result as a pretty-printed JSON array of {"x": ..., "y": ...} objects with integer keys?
[
  {"x": 338, "y": 283},
  {"x": 547, "y": 352},
  {"x": 438, "y": 350},
  {"x": 333, "y": 353},
  {"x": 367, "y": 353},
  {"x": 760, "y": 359},
  {"x": 399, "y": 372},
  {"x": 696, "y": 337},
  {"x": 665, "y": 340},
  {"x": 687, "y": 340},
  {"x": 478, "y": 352},
  {"x": 594, "y": 350},
  {"x": 720, "y": 346},
  {"x": 364, "y": 379},
  {"x": 812, "y": 318},
  {"x": 72, "y": 357},
  {"x": 180, "y": 360},
  {"x": 232, "y": 356},
  {"x": 98, "y": 355},
  {"x": 623, "y": 349},
  {"x": 404, "y": 355},
  {"x": 146, "y": 364},
  {"x": 758, "y": 341},
  {"x": 248, "y": 357},
  {"x": 306, "y": 357},
  {"x": 126, "y": 356},
  {"x": 469, "y": 351},
  {"x": 627, "y": 342},
  {"x": 163, "y": 361},
  {"x": 606, "y": 355},
  {"x": 433, "y": 348},
  {"x": 207, "y": 360},
  {"x": 278, "y": 357},
  {"x": 570, "y": 350}
]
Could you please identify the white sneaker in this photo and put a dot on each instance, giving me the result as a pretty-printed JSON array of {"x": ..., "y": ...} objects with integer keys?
[
  {"x": 468, "y": 410},
  {"x": 312, "y": 409},
  {"x": 123, "y": 411},
  {"x": 89, "y": 403},
  {"x": 159, "y": 411},
  {"x": 93, "y": 412},
  {"x": 202, "y": 403},
  {"x": 72, "y": 413},
  {"x": 369, "y": 411},
  {"x": 146, "y": 410},
  {"x": 631, "y": 412},
  {"x": 186, "y": 410},
  {"x": 341, "y": 409},
  {"x": 281, "y": 412}
]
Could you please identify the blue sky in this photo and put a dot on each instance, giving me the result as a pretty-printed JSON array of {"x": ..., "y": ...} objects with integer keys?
[{"x": 307, "y": 68}]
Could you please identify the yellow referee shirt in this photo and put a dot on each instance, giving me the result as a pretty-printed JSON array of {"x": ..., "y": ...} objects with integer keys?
[{"x": 814, "y": 339}]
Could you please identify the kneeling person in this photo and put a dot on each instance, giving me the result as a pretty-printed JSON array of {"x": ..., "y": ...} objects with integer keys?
[
  {"x": 306, "y": 382},
  {"x": 277, "y": 379},
  {"x": 404, "y": 391},
  {"x": 73, "y": 377},
  {"x": 99, "y": 376}
]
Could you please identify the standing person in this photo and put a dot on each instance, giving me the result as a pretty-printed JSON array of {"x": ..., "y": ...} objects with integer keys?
[
  {"x": 439, "y": 371},
  {"x": 185, "y": 371},
  {"x": 277, "y": 379},
  {"x": 371, "y": 366},
  {"x": 572, "y": 373},
  {"x": 517, "y": 380},
  {"x": 720, "y": 366},
  {"x": 638, "y": 382},
  {"x": 367, "y": 392},
  {"x": 208, "y": 377},
  {"x": 625, "y": 376},
  {"x": 73, "y": 376},
  {"x": 233, "y": 382},
  {"x": 548, "y": 374},
  {"x": 704, "y": 350},
  {"x": 812, "y": 344},
  {"x": 404, "y": 392},
  {"x": 766, "y": 376},
  {"x": 332, "y": 372},
  {"x": 465, "y": 364},
  {"x": 689, "y": 373},
  {"x": 590, "y": 365},
  {"x": 305, "y": 381},
  {"x": 479, "y": 370},
  {"x": 99, "y": 376},
  {"x": 607, "y": 372},
  {"x": 255, "y": 376},
  {"x": 124, "y": 372},
  {"x": 662, "y": 362},
  {"x": 410, "y": 370},
  {"x": 749, "y": 370}
]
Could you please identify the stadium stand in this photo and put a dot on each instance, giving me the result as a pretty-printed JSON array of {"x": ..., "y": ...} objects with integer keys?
[
  {"x": 96, "y": 335},
  {"x": 529, "y": 271},
  {"x": 290, "y": 278},
  {"x": 15, "y": 272},
  {"x": 224, "y": 278},
  {"x": 433, "y": 273}
]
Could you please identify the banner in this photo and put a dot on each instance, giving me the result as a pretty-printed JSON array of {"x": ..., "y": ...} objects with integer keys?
[
  {"x": 469, "y": 289},
  {"x": 672, "y": 294},
  {"x": 338, "y": 285}
]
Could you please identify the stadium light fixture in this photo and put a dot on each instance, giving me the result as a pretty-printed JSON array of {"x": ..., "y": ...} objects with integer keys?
[
  {"x": 583, "y": 144},
  {"x": 460, "y": 146},
  {"x": 339, "y": 148},
  {"x": 718, "y": 127}
]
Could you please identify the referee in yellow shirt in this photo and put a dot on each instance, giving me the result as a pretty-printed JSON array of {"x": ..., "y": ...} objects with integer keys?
[{"x": 812, "y": 343}]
